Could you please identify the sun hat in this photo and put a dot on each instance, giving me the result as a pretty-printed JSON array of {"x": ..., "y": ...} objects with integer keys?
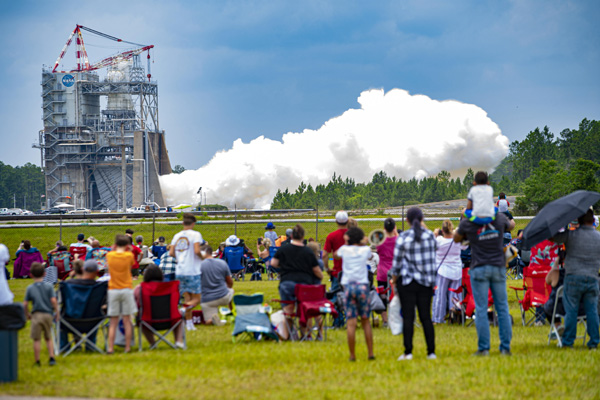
[
  {"x": 341, "y": 217},
  {"x": 90, "y": 239},
  {"x": 232, "y": 241},
  {"x": 270, "y": 226}
]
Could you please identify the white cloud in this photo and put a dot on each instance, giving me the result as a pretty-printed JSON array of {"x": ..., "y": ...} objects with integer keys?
[{"x": 404, "y": 135}]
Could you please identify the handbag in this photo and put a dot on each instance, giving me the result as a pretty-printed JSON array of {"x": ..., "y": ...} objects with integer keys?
[
  {"x": 441, "y": 262},
  {"x": 375, "y": 303}
]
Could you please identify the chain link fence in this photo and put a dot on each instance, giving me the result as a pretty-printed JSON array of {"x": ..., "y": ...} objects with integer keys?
[{"x": 44, "y": 235}]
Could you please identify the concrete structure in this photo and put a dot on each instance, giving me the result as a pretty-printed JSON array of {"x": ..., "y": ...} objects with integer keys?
[{"x": 101, "y": 146}]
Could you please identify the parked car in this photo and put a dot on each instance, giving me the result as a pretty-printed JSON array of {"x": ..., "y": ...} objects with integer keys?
[
  {"x": 27, "y": 212},
  {"x": 163, "y": 209},
  {"x": 15, "y": 211},
  {"x": 136, "y": 210},
  {"x": 3, "y": 211},
  {"x": 79, "y": 211},
  {"x": 55, "y": 210},
  {"x": 105, "y": 210}
]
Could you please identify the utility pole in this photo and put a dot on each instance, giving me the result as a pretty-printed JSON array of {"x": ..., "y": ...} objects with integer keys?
[
  {"x": 123, "y": 168},
  {"x": 14, "y": 200}
]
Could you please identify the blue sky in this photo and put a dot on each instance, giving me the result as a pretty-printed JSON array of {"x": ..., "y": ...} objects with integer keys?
[{"x": 240, "y": 69}]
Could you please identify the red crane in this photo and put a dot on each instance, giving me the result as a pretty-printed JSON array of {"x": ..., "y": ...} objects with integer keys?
[{"x": 83, "y": 63}]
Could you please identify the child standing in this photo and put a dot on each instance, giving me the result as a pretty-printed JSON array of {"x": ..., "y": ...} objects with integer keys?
[
  {"x": 355, "y": 281},
  {"x": 41, "y": 295},
  {"x": 480, "y": 204},
  {"x": 503, "y": 205},
  {"x": 121, "y": 302}
]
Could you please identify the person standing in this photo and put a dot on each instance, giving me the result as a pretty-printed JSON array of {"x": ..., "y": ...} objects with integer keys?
[
  {"x": 487, "y": 271},
  {"x": 185, "y": 247},
  {"x": 355, "y": 281},
  {"x": 582, "y": 263},
  {"x": 270, "y": 233},
  {"x": 333, "y": 242},
  {"x": 121, "y": 302},
  {"x": 449, "y": 272},
  {"x": 386, "y": 257},
  {"x": 413, "y": 272}
]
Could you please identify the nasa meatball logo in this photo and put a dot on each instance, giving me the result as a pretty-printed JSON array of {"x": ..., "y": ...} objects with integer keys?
[{"x": 68, "y": 80}]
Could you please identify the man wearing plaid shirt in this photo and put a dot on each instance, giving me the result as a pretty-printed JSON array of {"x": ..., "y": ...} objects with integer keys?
[
  {"x": 414, "y": 272},
  {"x": 167, "y": 265}
]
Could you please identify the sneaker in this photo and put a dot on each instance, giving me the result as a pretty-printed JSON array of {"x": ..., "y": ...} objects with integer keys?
[
  {"x": 216, "y": 320},
  {"x": 482, "y": 353},
  {"x": 190, "y": 326},
  {"x": 505, "y": 353},
  {"x": 179, "y": 345},
  {"x": 431, "y": 356},
  {"x": 52, "y": 361},
  {"x": 405, "y": 357},
  {"x": 538, "y": 323},
  {"x": 37, "y": 364}
]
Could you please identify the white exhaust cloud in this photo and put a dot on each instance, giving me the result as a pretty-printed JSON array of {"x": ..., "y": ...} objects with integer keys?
[{"x": 404, "y": 135}]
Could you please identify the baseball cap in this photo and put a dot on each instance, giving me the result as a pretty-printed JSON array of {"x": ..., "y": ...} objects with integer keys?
[
  {"x": 341, "y": 217},
  {"x": 81, "y": 236},
  {"x": 90, "y": 266},
  {"x": 161, "y": 238},
  {"x": 288, "y": 232}
]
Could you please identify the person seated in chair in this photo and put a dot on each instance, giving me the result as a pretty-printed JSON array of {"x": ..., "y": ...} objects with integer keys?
[
  {"x": 85, "y": 274},
  {"x": 217, "y": 287},
  {"x": 26, "y": 256},
  {"x": 81, "y": 242},
  {"x": 152, "y": 273}
]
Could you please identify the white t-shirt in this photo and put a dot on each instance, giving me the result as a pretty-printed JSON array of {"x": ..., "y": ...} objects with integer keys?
[
  {"x": 188, "y": 263},
  {"x": 354, "y": 263},
  {"x": 373, "y": 263},
  {"x": 482, "y": 198},
  {"x": 77, "y": 244},
  {"x": 452, "y": 266},
  {"x": 6, "y": 296}
]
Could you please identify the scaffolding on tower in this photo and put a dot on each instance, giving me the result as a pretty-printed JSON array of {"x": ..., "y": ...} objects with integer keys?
[{"x": 102, "y": 153}]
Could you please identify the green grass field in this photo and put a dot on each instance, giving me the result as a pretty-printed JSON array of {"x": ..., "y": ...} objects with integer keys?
[{"x": 215, "y": 367}]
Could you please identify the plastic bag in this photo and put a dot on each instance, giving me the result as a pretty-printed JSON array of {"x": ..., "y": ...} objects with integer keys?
[
  {"x": 394, "y": 317},
  {"x": 12, "y": 316},
  {"x": 375, "y": 303},
  {"x": 278, "y": 320}
]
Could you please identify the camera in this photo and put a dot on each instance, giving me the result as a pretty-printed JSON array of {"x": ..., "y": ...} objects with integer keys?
[{"x": 259, "y": 240}]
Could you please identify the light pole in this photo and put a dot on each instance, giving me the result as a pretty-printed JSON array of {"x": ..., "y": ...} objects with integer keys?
[
  {"x": 145, "y": 177},
  {"x": 200, "y": 193}
]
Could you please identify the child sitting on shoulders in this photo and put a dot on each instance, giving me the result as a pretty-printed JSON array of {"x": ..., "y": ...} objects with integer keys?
[
  {"x": 355, "y": 281},
  {"x": 41, "y": 295},
  {"x": 480, "y": 204},
  {"x": 503, "y": 205}
]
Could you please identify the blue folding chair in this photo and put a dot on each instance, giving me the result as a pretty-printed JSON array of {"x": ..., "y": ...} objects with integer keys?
[
  {"x": 234, "y": 256},
  {"x": 251, "y": 318},
  {"x": 81, "y": 314}
]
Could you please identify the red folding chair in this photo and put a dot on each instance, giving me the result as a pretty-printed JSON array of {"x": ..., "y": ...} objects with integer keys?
[
  {"x": 311, "y": 302},
  {"x": 467, "y": 304},
  {"x": 78, "y": 252},
  {"x": 536, "y": 291},
  {"x": 159, "y": 311}
]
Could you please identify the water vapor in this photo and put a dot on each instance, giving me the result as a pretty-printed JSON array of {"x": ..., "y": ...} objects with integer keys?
[{"x": 402, "y": 134}]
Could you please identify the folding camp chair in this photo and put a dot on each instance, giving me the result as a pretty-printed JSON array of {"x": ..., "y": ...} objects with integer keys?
[
  {"x": 234, "y": 256},
  {"x": 536, "y": 292},
  {"x": 82, "y": 314},
  {"x": 158, "y": 251},
  {"x": 78, "y": 252},
  {"x": 467, "y": 305},
  {"x": 251, "y": 318},
  {"x": 61, "y": 260},
  {"x": 159, "y": 311},
  {"x": 559, "y": 313},
  {"x": 311, "y": 302}
]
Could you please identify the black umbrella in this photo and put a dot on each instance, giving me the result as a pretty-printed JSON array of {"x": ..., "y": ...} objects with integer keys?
[{"x": 557, "y": 215}]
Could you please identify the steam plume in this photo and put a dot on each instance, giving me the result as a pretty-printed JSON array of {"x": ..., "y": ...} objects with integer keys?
[{"x": 404, "y": 135}]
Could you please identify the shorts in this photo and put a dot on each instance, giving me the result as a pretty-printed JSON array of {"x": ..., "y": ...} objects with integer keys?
[
  {"x": 356, "y": 300},
  {"x": 211, "y": 308},
  {"x": 189, "y": 283},
  {"x": 121, "y": 302},
  {"x": 287, "y": 291},
  {"x": 41, "y": 322}
]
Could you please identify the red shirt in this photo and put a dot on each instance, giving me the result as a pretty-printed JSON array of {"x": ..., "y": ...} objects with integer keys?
[
  {"x": 136, "y": 256},
  {"x": 334, "y": 241}
]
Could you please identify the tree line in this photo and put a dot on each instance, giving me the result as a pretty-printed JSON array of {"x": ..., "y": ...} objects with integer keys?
[{"x": 21, "y": 187}]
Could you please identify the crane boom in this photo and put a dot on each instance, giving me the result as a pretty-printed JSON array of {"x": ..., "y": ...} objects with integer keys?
[{"x": 83, "y": 63}]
